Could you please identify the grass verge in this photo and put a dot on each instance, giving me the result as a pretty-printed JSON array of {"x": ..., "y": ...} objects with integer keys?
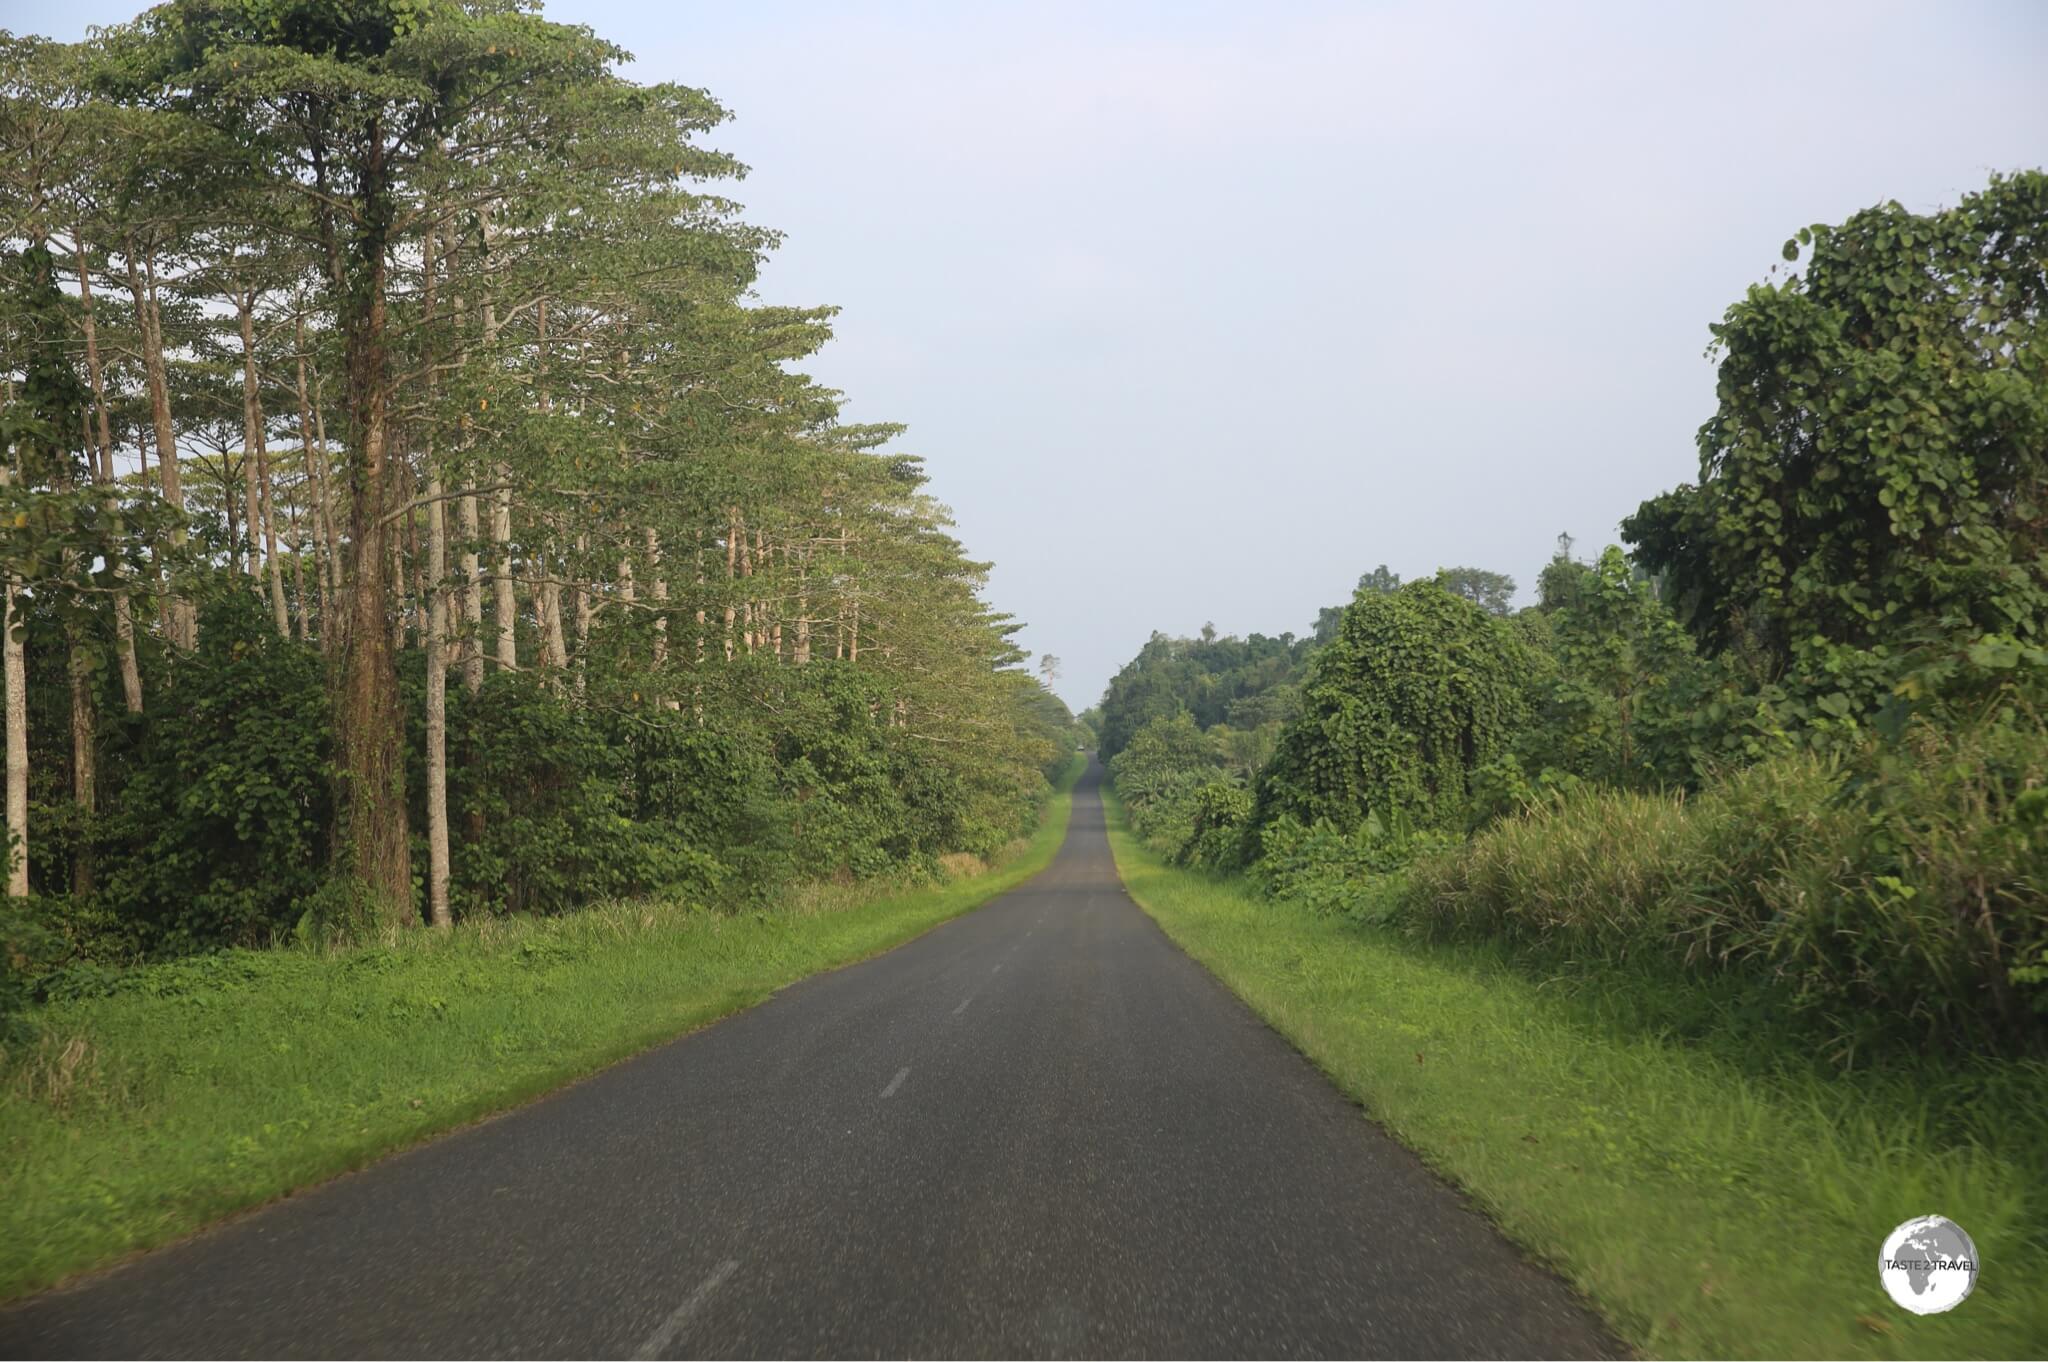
[
  {"x": 1709, "y": 1202},
  {"x": 221, "y": 1082}
]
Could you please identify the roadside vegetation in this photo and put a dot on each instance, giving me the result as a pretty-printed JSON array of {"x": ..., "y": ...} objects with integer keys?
[
  {"x": 179, "y": 1092},
  {"x": 1763, "y": 795},
  {"x": 1672, "y": 1149}
]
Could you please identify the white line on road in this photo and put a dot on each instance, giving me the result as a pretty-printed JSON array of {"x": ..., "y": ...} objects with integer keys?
[
  {"x": 897, "y": 1081},
  {"x": 997, "y": 970},
  {"x": 658, "y": 1341},
  {"x": 963, "y": 1005}
]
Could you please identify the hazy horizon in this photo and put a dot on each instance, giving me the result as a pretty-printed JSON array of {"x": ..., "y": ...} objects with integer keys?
[{"x": 1196, "y": 313}]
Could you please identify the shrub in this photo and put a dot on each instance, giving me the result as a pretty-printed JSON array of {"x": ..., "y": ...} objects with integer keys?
[
  {"x": 1217, "y": 814},
  {"x": 220, "y": 831},
  {"x": 1355, "y": 874},
  {"x": 1601, "y": 870},
  {"x": 1902, "y": 894}
]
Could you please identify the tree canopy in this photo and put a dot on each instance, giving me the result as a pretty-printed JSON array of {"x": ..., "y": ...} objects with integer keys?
[{"x": 1871, "y": 483}]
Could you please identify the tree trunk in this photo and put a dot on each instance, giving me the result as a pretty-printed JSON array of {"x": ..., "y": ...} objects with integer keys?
[
  {"x": 547, "y": 585},
  {"x": 759, "y": 605},
  {"x": 337, "y": 566},
  {"x": 256, "y": 471},
  {"x": 266, "y": 512},
  {"x": 316, "y": 478},
  {"x": 732, "y": 550},
  {"x": 660, "y": 594},
  {"x": 16, "y": 672},
  {"x": 184, "y": 619},
  {"x": 472, "y": 599},
  {"x": 582, "y": 615},
  {"x": 776, "y": 614},
  {"x": 626, "y": 593},
  {"x": 505, "y": 601},
  {"x": 400, "y": 613},
  {"x": 84, "y": 727},
  {"x": 746, "y": 601},
  {"x": 124, "y": 647},
  {"x": 437, "y": 710},
  {"x": 419, "y": 574},
  {"x": 800, "y": 651},
  {"x": 103, "y": 474},
  {"x": 697, "y": 663},
  {"x": 375, "y": 844},
  {"x": 548, "y": 595},
  {"x": 84, "y": 760},
  {"x": 252, "y": 423},
  {"x": 700, "y": 599},
  {"x": 227, "y": 502},
  {"x": 299, "y": 570}
]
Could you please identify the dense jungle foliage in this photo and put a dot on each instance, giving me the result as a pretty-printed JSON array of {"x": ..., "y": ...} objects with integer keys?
[
  {"x": 1795, "y": 731},
  {"x": 340, "y": 360}
]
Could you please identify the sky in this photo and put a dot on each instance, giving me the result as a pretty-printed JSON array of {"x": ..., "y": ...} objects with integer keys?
[{"x": 1198, "y": 311}]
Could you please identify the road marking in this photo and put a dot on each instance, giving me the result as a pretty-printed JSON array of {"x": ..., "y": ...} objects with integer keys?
[
  {"x": 997, "y": 970},
  {"x": 963, "y": 1004},
  {"x": 658, "y": 1341},
  {"x": 897, "y": 1081}
]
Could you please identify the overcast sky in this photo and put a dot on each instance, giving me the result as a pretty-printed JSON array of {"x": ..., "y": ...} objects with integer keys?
[{"x": 1197, "y": 311}]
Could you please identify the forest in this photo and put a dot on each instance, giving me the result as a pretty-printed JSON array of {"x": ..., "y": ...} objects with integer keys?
[
  {"x": 412, "y": 516},
  {"x": 1789, "y": 734}
]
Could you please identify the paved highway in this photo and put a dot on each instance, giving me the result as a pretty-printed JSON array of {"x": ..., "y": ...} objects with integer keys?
[{"x": 1039, "y": 1130}]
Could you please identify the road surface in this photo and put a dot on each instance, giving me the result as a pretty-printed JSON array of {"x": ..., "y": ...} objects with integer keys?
[{"x": 1039, "y": 1130}]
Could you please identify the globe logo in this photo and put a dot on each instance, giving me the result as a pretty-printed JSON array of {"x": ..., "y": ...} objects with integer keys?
[{"x": 1928, "y": 1265}]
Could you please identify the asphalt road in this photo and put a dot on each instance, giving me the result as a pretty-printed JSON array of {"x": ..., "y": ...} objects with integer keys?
[{"x": 1039, "y": 1130}]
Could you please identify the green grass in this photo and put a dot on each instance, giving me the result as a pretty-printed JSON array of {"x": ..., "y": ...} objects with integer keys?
[
  {"x": 1721, "y": 1195},
  {"x": 222, "y": 1082}
]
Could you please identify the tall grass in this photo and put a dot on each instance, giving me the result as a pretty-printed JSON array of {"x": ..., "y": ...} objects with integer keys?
[{"x": 1901, "y": 897}]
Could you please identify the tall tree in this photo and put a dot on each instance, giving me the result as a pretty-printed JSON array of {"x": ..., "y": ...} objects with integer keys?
[
  {"x": 343, "y": 113},
  {"x": 1873, "y": 474}
]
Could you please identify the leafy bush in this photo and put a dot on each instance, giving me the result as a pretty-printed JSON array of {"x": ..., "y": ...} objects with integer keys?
[
  {"x": 545, "y": 814},
  {"x": 1217, "y": 815},
  {"x": 1900, "y": 894},
  {"x": 220, "y": 831},
  {"x": 1355, "y": 873},
  {"x": 29, "y": 950},
  {"x": 716, "y": 791}
]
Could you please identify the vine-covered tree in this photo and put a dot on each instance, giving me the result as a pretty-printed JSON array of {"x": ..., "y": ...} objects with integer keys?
[
  {"x": 1872, "y": 481},
  {"x": 1418, "y": 689}
]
